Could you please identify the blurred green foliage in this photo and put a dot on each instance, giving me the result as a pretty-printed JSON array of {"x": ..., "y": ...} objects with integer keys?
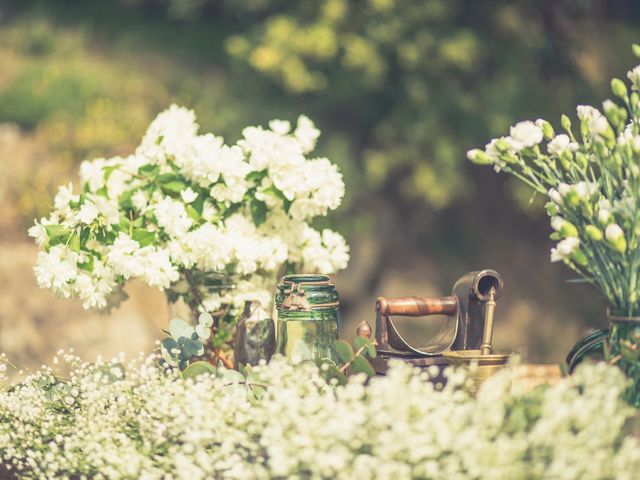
[{"x": 401, "y": 88}]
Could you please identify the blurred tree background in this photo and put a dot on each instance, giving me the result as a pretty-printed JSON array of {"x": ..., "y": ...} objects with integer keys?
[{"x": 400, "y": 90}]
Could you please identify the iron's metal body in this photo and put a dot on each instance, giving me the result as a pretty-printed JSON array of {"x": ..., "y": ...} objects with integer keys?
[{"x": 463, "y": 329}]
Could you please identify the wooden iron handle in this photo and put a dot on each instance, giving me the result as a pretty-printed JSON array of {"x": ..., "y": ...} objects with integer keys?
[{"x": 417, "y": 306}]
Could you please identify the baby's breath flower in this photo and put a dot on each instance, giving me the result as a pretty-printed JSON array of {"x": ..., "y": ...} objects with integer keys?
[{"x": 151, "y": 423}]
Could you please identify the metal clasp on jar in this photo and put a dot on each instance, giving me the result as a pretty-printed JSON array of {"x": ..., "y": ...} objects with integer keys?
[{"x": 296, "y": 300}]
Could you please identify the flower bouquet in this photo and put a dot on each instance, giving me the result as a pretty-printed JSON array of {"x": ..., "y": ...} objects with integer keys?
[
  {"x": 209, "y": 223},
  {"x": 591, "y": 176}
]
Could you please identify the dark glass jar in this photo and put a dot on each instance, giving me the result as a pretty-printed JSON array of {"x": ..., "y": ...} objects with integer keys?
[
  {"x": 624, "y": 351},
  {"x": 307, "y": 327},
  {"x": 619, "y": 344}
]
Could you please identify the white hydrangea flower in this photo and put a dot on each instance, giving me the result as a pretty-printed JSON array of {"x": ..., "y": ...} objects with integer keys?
[
  {"x": 205, "y": 162},
  {"x": 325, "y": 252},
  {"x": 92, "y": 173},
  {"x": 234, "y": 170},
  {"x": 64, "y": 197},
  {"x": 306, "y": 133},
  {"x": 262, "y": 192},
  {"x": 57, "y": 270},
  {"x": 158, "y": 270},
  {"x": 94, "y": 288},
  {"x": 172, "y": 217},
  {"x": 39, "y": 233},
  {"x": 188, "y": 195},
  {"x": 97, "y": 207},
  {"x": 269, "y": 150},
  {"x": 170, "y": 135},
  {"x": 140, "y": 200},
  {"x": 281, "y": 127},
  {"x": 123, "y": 258}
]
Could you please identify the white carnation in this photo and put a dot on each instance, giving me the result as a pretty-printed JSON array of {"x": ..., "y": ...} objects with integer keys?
[
  {"x": 560, "y": 144},
  {"x": 564, "y": 249},
  {"x": 524, "y": 135},
  {"x": 613, "y": 232},
  {"x": 634, "y": 76}
]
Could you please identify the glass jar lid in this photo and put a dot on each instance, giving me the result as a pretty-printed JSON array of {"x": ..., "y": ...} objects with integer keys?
[{"x": 306, "y": 292}]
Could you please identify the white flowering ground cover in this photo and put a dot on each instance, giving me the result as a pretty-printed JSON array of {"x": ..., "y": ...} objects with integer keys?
[{"x": 110, "y": 420}]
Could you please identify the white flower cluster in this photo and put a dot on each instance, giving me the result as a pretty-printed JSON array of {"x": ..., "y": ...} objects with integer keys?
[
  {"x": 112, "y": 421},
  {"x": 187, "y": 202},
  {"x": 592, "y": 180}
]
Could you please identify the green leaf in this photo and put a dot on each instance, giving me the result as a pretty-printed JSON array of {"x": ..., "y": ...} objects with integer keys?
[
  {"x": 256, "y": 176},
  {"x": 258, "y": 212},
  {"x": 190, "y": 348},
  {"x": 108, "y": 170},
  {"x": 198, "y": 204},
  {"x": 361, "y": 365},
  {"x": 57, "y": 234},
  {"x": 332, "y": 371},
  {"x": 125, "y": 200},
  {"x": 85, "y": 233},
  {"x": 179, "y": 328},
  {"x": 169, "y": 344},
  {"x": 205, "y": 319},
  {"x": 88, "y": 265},
  {"x": 149, "y": 170},
  {"x": 203, "y": 332},
  {"x": 369, "y": 349},
  {"x": 175, "y": 186},
  {"x": 74, "y": 243},
  {"x": 229, "y": 375},
  {"x": 166, "y": 178},
  {"x": 345, "y": 351},
  {"x": 193, "y": 213},
  {"x": 198, "y": 368},
  {"x": 143, "y": 237},
  {"x": 257, "y": 391}
]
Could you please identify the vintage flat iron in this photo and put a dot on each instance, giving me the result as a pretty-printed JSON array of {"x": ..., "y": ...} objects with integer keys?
[{"x": 467, "y": 328}]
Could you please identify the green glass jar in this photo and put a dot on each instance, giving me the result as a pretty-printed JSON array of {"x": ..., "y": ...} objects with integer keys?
[{"x": 307, "y": 326}]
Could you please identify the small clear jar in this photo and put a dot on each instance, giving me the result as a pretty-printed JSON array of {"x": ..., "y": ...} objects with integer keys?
[{"x": 307, "y": 326}]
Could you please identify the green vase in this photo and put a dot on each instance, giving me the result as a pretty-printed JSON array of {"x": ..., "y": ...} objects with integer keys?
[
  {"x": 307, "y": 327},
  {"x": 624, "y": 351}
]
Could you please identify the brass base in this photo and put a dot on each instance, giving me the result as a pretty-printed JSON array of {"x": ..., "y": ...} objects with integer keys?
[
  {"x": 480, "y": 366},
  {"x": 381, "y": 363}
]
